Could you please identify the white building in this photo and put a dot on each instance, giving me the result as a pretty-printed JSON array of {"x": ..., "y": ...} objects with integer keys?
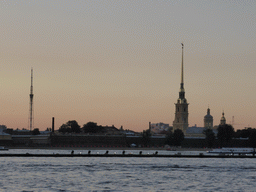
[{"x": 158, "y": 128}]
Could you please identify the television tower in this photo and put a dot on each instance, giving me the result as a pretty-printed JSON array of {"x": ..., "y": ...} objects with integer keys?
[{"x": 31, "y": 95}]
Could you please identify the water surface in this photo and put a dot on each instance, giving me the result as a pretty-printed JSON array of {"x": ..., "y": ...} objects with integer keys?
[{"x": 124, "y": 174}]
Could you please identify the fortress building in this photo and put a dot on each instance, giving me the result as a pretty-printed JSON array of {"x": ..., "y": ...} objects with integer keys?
[
  {"x": 195, "y": 131},
  {"x": 181, "y": 107}
]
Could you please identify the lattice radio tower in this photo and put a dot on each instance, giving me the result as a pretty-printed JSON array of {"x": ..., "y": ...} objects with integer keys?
[{"x": 31, "y": 95}]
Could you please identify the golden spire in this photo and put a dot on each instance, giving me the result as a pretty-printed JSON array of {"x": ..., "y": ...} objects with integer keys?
[
  {"x": 182, "y": 65},
  {"x": 182, "y": 90}
]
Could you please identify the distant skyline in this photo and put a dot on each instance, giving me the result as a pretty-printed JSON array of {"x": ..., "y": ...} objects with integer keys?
[{"x": 118, "y": 62}]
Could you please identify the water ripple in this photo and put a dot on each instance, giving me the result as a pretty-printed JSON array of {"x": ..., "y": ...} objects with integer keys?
[{"x": 126, "y": 174}]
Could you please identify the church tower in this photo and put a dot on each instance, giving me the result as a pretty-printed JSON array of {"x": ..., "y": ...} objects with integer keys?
[
  {"x": 223, "y": 119},
  {"x": 181, "y": 107},
  {"x": 208, "y": 120}
]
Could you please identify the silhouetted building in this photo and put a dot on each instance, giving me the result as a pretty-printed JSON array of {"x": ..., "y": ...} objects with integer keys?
[
  {"x": 181, "y": 107},
  {"x": 195, "y": 131},
  {"x": 223, "y": 120},
  {"x": 208, "y": 120}
]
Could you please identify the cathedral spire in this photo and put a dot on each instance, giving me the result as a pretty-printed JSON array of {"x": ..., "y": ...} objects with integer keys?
[
  {"x": 181, "y": 107},
  {"x": 31, "y": 95},
  {"x": 181, "y": 83},
  {"x": 182, "y": 90}
]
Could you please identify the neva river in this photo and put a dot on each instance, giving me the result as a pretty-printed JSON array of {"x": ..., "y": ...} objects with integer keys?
[{"x": 124, "y": 174}]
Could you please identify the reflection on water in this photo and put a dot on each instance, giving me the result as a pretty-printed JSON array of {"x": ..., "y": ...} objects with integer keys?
[{"x": 124, "y": 174}]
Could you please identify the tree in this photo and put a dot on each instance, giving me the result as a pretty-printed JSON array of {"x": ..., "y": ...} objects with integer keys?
[
  {"x": 36, "y": 131},
  {"x": 63, "y": 128},
  {"x": 225, "y": 133},
  {"x": 244, "y": 133},
  {"x": 70, "y": 127},
  {"x": 146, "y": 137},
  {"x": 92, "y": 127},
  {"x": 75, "y": 128},
  {"x": 252, "y": 139},
  {"x": 178, "y": 137},
  {"x": 169, "y": 138},
  {"x": 209, "y": 137}
]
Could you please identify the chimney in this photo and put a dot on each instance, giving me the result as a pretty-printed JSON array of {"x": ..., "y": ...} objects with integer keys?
[{"x": 53, "y": 125}]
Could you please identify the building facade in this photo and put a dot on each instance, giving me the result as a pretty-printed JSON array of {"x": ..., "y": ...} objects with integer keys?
[{"x": 159, "y": 128}]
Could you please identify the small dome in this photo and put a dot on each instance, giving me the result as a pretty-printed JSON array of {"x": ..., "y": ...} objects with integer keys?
[
  {"x": 223, "y": 118},
  {"x": 208, "y": 116}
]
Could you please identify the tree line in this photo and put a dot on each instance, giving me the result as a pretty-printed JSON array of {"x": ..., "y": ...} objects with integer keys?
[
  {"x": 226, "y": 133},
  {"x": 73, "y": 127}
]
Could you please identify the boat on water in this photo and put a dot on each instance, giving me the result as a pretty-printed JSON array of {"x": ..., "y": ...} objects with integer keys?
[
  {"x": 231, "y": 150},
  {"x": 2, "y": 148}
]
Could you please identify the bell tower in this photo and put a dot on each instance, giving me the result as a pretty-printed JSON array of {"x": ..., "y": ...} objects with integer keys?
[
  {"x": 208, "y": 120},
  {"x": 223, "y": 119},
  {"x": 181, "y": 107}
]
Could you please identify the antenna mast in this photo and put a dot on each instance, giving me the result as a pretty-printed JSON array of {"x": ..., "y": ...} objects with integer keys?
[{"x": 31, "y": 95}]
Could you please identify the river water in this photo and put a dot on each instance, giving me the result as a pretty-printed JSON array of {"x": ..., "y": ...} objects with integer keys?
[{"x": 124, "y": 174}]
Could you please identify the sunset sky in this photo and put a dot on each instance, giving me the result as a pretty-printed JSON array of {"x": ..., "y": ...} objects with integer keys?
[{"x": 118, "y": 62}]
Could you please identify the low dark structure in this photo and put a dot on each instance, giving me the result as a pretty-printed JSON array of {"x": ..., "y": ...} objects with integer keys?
[{"x": 178, "y": 155}]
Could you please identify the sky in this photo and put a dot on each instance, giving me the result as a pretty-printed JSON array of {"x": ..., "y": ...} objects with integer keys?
[{"x": 117, "y": 62}]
